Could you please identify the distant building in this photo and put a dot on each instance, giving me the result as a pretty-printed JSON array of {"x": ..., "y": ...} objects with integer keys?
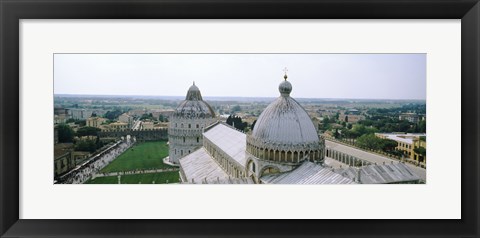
[
  {"x": 60, "y": 111},
  {"x": 147, "y": 125},
  {"x": 352, "y": 111},
  {"x": 84, "y": 114},
  {"x": 165, "y": 113},
  {"x": 55, "y": 135},
  {"x": 125, "y": 118},
  {"x": 59, "y": 119},
  {"x": 60, "y": 115},
  {"x": 411, "y": 117},
  {"x": 409, "y": 144},
  {"x": 351, "y": 118},
  {"x": 95, "y": 121},
  {"x": 118, "y": 126},
  {"x": 137, "y": 112},
  {"x": 63, "y": 159}
]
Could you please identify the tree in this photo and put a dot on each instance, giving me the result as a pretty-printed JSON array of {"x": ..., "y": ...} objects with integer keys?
[
  {"x": 421, "y": 151},
  {"x": 422, "y": 126},
  {"x": 65, "y": 133},
  {"x": 161, "y": 118},
  {"x": 87, "y": 131},
  {"x": 236, "y": 122},
  {"x": 112, "y": 115},
  {"x": 70, "y": 120},
  {"x": 86, "y": 145},
  {"x": 236, "y": 108},
  {"x": 81, "y": 122},
  {"x": 336, "y": 134},
  {"x": 147, "y": 116},
  {"x": 359, "y": 130},
  {"x": 370, "y": 141},
  {"x": 389, "y": 145},
  {"x": 253, "y": 124}
]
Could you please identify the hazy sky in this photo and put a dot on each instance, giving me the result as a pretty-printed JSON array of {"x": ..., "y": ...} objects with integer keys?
[{"x": 366, "y": 76}]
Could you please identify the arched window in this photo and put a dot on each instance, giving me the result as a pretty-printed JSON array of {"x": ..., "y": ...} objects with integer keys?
[
  {"x": 183, "y": 139},
  {"x": 198, "y": 139},
  {"x": 189, "y": 125},
  {"x": 197, "y": 125},
  {"x": 253, "y": 167}
]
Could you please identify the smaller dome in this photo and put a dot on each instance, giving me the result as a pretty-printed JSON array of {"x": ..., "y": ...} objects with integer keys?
[
  {"x": 193, "y": 93},
  {"x": 285, "y": 88},
  {"x": 193, "y": 106},
  {"x": 193, "y": 87}
]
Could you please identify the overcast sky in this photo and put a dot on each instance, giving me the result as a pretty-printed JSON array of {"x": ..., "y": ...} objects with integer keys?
[{"x": 356, "y": 76}]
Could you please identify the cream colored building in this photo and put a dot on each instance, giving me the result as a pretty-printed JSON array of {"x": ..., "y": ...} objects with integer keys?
[
  {"x": 147, "y": 125},
  {"x": 95, "y": 121},
  {"x": 118, "y": 126},
  {"x": 409, "y": 144},
  {"x": 125, "y": 118}
]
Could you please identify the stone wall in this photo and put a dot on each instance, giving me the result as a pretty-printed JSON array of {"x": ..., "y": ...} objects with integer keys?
[{"x": 140, "y": 135}]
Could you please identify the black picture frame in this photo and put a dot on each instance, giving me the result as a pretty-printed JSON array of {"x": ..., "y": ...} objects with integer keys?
[{"x": 12, "y": 11}]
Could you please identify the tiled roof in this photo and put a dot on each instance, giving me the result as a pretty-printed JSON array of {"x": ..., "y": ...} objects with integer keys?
[
  {"x": 307, "y": 173},
  {"x": 382, "y": 173},
  {"x": 200, "y": 166},
  {"x": 229, "y": 140}
]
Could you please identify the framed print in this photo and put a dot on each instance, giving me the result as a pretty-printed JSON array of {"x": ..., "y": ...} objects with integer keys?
[{"x": 269, "y": 118}]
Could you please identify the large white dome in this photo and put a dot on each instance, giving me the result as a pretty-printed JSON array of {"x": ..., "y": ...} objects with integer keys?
[
  {"x": 284, "y": 132},
  {"x": 284, "y": 121}
]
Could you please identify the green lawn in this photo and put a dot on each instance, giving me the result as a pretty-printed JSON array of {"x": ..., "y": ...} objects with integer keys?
[
  {"x": 172, "y": 177},
  {"x": 146, "y": 155}
]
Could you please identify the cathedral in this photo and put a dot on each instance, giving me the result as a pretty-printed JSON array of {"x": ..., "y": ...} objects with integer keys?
[{"x": 283, "y": 148}]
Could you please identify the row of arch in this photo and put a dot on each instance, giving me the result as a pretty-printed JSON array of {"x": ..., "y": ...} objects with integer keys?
[
  {"x": 224, "y": 160},
  {"x": 185, "y": 140},
  {"x": 185, "y": 132},
  {"x": 285, "y": 156},
  {"x": 252, "y": 168},
  {"x": 345, "y": 158}
]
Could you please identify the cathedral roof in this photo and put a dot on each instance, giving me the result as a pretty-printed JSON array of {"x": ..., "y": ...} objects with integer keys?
[
  {"x": 307, "y": 173},
  {"x": 200, "y": 167},
  {"x": 193, "y": 106},
  {"x": 229, "y": 140},
  {"x": 381, "y": 173},
  {"x": 285, "y": 122}
]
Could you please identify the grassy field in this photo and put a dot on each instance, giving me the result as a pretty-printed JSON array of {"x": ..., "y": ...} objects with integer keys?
[
  {"x": 146, "y": 155},
  {"x": 172, "y": 177}
]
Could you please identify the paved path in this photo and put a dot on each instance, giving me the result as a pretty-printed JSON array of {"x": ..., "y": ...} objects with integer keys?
[{"x": 374, "y": 158}]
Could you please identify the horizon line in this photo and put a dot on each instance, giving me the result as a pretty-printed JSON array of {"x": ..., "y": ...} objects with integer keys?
[{"x": 133, "y": 95}]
